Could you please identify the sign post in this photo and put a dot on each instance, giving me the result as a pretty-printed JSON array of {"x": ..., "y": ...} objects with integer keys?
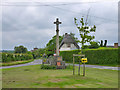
[
  {"x": 79, "y": 63},
  {"x": 84, "y": 60}
]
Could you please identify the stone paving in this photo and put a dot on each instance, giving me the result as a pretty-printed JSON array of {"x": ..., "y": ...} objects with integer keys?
[{"x": 39, "y": 61}]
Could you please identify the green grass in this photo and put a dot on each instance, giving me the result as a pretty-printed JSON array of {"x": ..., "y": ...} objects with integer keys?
[
  {"x": 16, "y": 62},
  {"x": 34, "y": 77}
]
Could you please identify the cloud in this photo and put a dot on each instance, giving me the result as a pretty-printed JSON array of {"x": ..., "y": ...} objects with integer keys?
[{"x": 33, "y": 26}]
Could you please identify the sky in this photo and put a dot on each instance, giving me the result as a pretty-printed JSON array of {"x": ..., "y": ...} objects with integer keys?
[{"x": 30, "y": 22}]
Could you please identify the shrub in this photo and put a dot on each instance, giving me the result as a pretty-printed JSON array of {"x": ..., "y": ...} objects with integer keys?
[
  {"x": 102, "y": 56},
  {"x": 94, "y": 56},
  {"x": 8, "y": 57},
  {"x": 94, "y": 45},
  {"x": 68, "y": 55},
  {"x": 43, "y": 66},
  {"x": 85, "y": 47}
]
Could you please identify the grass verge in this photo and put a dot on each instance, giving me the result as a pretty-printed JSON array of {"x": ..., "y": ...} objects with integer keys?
[
  {"x": 34, "y": 77},
  {"x": 16, "y": 62}
]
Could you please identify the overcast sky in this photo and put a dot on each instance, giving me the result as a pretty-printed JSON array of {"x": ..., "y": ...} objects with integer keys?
[{"x": 30, "y": 23}]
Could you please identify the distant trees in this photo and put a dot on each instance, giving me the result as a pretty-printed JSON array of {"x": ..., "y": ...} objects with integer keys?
[
  {"x": 20, "y": 49},
  {"x": 94, "y": 45},
  {"x": 105, "y": 44},
  {"x": 38, "y": 53},
  {"x": 101, "y": 44}
]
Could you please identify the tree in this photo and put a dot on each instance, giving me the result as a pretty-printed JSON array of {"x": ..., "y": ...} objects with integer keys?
[
  {"x": 51, "y": 45},
  {"x": 101, "y": 44},
  {"x": 38, "y": 53},
  {"x": 20, "y": 49},
  {"x": 84, "y": 30},
  {"x": 105, "y": 44},
  {"x": 94, "y": 45}
]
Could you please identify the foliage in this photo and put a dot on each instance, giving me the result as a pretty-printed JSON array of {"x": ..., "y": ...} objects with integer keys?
[
  {"x": 20, "y": 49},
  {"x": 51, "y": 45},
  {"x": 43, "y": 66},
  {"x": 84, "y": 31},
  {"x": 94, "y": 45},
  {"x": 95, "y": 56},
  {"x": 105, "y": 44},
  {"x": 101, "y": 44},
  {"x": 68, "y": 55},
  {"x": 38, "y": 53},
  {"x": 85, "y": 47},
  {"x": 8, "y": 57}
]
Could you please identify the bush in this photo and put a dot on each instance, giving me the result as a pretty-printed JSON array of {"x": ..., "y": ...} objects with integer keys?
[
  {"x": 68, "y": 55},
  {"x": 94, "y": 56},
  {"x": 85, "y": 47},
  {"x": 8, "y": 57},
  {"x": 94, "y": 45},
  {"x": 43, "y": 66},
  {"x": 102, "y": 56}
]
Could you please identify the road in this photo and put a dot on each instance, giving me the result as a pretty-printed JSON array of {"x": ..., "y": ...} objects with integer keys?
[
  {"x": 39, "y": 61},
  {"x": 35, "y": 62}
]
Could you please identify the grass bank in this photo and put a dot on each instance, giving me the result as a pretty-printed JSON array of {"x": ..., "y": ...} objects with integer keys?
[
  {"x": 34, "y": 77},
  {"x": 16, "y": 62}
]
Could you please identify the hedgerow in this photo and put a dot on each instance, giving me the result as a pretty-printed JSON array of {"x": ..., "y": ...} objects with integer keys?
[
  {"x": 8, "y": 57},
  {"x": 94, "y": 56}
]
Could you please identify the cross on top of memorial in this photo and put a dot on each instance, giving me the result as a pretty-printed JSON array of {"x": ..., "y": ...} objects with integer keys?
[{"x": 57, "y": 24}]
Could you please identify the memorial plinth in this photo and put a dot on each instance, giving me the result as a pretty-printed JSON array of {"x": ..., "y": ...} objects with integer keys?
[{"x": 56, "y": 60}]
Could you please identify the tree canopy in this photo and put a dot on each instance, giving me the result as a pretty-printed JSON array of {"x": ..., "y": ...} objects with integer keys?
[
  {"x": 20, "y": 49},
  {"x": 84, "y": 31}
]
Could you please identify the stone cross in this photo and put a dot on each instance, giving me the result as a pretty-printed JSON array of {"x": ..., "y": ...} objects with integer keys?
[{"x": 57, "y": 36}]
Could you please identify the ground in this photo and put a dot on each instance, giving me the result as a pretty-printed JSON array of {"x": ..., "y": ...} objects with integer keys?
[{"x": 34, "y": 77}]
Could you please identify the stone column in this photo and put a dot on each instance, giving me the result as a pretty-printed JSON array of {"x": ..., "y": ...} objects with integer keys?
[{"x": 57, "y": 36}]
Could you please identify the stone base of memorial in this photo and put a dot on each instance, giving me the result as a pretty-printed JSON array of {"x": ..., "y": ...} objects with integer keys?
[{"x": 57, "y": 61}]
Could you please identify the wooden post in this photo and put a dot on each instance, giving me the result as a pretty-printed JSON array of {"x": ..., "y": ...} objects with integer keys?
[
  {"x": 73, "y": 66},
  {"x": 83, "y": 69},
  {"x": 79, "y": 67}
]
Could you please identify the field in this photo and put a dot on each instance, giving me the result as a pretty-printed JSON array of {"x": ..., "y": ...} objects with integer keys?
[{"x": 34, "y": 77}]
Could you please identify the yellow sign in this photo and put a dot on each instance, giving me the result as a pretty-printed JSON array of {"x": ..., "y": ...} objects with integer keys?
[
  {"x": 84, "y": 60},
  {"x": 44, "y": 60}
]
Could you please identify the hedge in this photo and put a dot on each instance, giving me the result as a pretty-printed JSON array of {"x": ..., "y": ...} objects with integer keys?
[
  {"x": 94, "y": 56},
  {"x": 68, "y": 55},
  {"x": 8, "y": 57},
  {"x": 48, "y": 66}
]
